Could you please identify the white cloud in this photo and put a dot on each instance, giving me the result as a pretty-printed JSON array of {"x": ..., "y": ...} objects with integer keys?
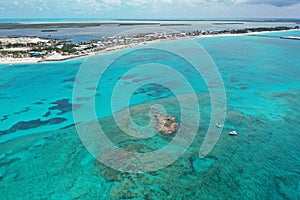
[
  {"x": 112, "y": 2},
  {"x": 145, "y": 8},
  {"x": 278, "y": 3}
]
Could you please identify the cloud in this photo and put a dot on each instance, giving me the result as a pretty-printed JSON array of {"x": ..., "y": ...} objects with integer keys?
[
  {"x": 278, "y": 3},
  {"x": 148, "y": 8},
  {"x": 112, "y": 2},
  {"x": 20, "y": 5}
]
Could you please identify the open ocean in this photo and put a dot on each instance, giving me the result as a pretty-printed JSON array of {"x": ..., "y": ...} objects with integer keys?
[{"x": 42, "y": 156}]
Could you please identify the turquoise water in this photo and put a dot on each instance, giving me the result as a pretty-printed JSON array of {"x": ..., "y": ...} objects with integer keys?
[{"x": 42, "y": 157}]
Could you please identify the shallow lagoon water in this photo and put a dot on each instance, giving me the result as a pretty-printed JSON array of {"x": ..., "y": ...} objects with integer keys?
[
  {"x": 111, "y": 28},
  {"x": 261, "y": 77}
]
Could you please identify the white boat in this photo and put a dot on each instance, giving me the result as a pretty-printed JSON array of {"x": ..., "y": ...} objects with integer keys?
[{"x": 233, "y": 133}]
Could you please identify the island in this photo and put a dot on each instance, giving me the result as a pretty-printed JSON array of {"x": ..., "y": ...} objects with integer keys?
[
  {"x": 34, "y": 49},
  {"x": 166, "y": 125}
]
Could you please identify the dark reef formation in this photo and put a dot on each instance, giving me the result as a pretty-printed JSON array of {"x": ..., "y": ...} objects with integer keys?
[
  {"x": 63, "y": 106},
  {"x": 25, "y": 125}
]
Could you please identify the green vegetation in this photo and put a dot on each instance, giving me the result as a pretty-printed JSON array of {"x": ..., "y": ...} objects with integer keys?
[
  {"x": 175, "y": 25},
  {"x": 69, "y": 48},
  {"x": 228, "y": 23},
  {"x": 45, "y": 26},
  {"x": 51, "y": 30},
  {"x": 15, "y": 45},
  {"x": 54, "y": 26}
]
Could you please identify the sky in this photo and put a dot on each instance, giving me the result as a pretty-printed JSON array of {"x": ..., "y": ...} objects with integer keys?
[{"x": 151, "y": 9}]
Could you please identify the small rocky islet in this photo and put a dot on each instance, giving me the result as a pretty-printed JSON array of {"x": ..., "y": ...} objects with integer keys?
[{"x": 166, "y": 125}]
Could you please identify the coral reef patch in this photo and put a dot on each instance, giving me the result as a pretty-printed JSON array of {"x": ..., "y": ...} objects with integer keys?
[
  {"x": 64, "y": 106},
  {"x": 25, "y": 125}
]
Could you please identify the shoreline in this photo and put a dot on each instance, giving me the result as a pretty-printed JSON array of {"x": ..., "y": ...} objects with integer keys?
[{"x": 31, "y": 60}]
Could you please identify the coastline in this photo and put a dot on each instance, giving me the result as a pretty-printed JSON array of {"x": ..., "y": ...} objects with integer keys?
[{"x": 31, "y": 60}]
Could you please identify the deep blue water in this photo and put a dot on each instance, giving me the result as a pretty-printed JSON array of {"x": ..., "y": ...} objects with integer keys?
[{"x": 262, "y": 80}]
